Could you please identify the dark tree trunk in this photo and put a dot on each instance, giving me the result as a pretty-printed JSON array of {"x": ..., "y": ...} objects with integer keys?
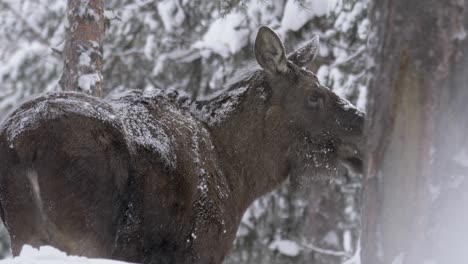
[
  {"x": 83, "y": 47},
  {"x": 417, "y": 139}
]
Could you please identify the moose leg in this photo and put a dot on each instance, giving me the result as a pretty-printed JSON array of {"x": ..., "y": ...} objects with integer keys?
[
  {"x": 83, "y": 172},
  {"x": 26, "y": 225}
]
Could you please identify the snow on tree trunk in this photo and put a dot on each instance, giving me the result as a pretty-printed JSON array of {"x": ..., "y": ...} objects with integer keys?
[
  {"x": 83, "y": 47},
  {"x": 416, "y": 189}
]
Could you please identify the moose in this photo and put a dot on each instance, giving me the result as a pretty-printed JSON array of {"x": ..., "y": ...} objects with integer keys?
[{"x": 154, "y": 177}]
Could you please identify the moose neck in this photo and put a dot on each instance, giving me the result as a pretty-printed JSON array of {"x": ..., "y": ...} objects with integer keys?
[{"x": 251, "y": 149}]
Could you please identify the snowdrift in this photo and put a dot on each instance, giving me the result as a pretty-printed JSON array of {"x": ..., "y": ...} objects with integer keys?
[{"x": 50, "y": 255}]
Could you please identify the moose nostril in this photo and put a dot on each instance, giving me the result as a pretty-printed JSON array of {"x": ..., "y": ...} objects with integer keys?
[{"x": 351, "y": 121}]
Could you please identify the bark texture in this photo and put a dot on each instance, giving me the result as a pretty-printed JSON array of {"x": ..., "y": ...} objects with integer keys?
[
  {"x": 83, "y": 47},
  {"x": 416, "y": 131}
]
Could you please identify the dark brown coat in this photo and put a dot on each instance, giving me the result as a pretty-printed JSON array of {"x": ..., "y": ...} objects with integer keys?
[{"x": 154, "y": 178}]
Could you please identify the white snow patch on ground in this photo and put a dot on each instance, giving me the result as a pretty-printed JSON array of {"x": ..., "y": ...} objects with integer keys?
[
  {"x": 286, "y": 247},
  {"x": 226, "y": 36},
  {"x": 50, "y": 255}
]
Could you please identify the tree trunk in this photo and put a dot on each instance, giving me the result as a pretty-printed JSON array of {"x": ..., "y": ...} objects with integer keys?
[
  {"x": 417, "y": 140},
  {"x": 83, "y": 47}
]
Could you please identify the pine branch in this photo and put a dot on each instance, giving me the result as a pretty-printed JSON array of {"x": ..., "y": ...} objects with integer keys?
[{"x": 31, "y": 28}]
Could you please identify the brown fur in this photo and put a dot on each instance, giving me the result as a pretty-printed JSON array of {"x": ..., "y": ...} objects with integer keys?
[{"x": 143, "y": 178}]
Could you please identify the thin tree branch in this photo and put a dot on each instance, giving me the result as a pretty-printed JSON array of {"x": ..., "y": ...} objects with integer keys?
[{"x": 327, "y": 251}]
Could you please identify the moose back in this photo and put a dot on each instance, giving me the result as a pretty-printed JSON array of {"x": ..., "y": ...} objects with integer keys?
[{"x": 155, "y": 178}]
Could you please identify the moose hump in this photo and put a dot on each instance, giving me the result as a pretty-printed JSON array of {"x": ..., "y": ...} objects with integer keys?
[{"x": 142, "y": 116}]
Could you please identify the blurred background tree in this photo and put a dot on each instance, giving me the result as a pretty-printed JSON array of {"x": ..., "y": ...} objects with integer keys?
[
  {"x": 197, "y": 46},
  {"x": 417, "y": 146}
]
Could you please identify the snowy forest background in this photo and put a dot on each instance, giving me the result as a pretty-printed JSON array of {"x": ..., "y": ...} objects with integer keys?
[{"x": 198, "y": 46}]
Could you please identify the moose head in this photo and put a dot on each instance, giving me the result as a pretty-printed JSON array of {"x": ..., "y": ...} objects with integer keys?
[{"x": 313, "y": 130}]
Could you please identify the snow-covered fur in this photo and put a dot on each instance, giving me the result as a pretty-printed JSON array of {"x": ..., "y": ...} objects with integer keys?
[{"x": 156, "y": 178}]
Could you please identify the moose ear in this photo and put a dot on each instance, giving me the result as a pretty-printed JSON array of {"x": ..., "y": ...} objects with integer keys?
[
  {"x": 304, "y": 56},
  {"x": 269, "y": 51}
]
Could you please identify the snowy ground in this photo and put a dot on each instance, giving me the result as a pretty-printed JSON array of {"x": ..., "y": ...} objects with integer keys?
[{"x": 50, "y": 255}]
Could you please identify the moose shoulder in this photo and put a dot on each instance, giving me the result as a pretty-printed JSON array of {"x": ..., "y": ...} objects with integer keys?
[{"x": 154, "y": 178}]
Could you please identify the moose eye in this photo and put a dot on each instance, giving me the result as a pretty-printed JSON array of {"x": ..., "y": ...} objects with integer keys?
[{"x": 313, "y": 101}]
